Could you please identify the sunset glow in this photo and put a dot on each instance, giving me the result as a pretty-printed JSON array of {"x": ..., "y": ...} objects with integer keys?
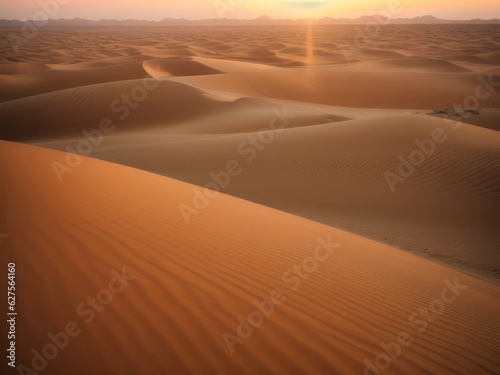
[{"x": 246, "y": 9}]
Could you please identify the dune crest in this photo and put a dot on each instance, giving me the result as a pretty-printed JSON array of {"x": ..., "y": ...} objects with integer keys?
[{"x": 199, "y": 278}]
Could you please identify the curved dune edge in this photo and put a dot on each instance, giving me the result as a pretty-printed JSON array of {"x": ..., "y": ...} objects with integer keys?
[
  {"x": 418, "y": 64},
  {"x": 61, "y": 114},
  {"x": 193, "y": 281},
  {"x": 160, "y": 103},
  {"x": 177, "y": 68},
  {"x": 45, "y": 81},
  {"x": 336, "y": 174},
  {"x": 358, "y": 89},
  {"x": 231, "y": 65},
  {"x": 21, "y": 68}
]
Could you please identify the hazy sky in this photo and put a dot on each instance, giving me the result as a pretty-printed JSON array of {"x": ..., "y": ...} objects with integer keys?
[{"x": 196, "y": 9}]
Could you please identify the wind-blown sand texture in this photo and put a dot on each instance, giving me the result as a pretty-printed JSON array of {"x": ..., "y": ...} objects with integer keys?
[{"x": 345, "y": 115}]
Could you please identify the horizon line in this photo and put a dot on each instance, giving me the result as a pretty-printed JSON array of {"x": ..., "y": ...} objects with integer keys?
[{"x": 254, "y": 19}]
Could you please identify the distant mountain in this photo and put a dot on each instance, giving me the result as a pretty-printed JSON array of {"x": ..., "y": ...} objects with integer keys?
[{"x": 263, "y": 20}]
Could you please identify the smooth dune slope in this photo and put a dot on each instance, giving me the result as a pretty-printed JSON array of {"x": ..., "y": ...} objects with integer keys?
[
  {"x": 216, "y": 88},
  {"x": 65, "y": 113},
  {"x": 39, "y": 82},
  {"x": 177, "y": 67},
  {"x": 444, "y": 208},
  {"x": 139, "y": 105},
  {"x": 193, "y": 281},
  {"x": 359, "y": 89}
]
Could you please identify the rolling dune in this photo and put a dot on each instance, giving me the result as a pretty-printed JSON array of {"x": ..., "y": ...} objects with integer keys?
[
  {"x": 61, "y": 115},
  {"x": 335, "y": 173},
  {"x": 381, "y": 153},
  {"x": 187, "y": 284},
  {"x": 29, "y": 84},
  {"x": 358, "y": 89},
  {"x": 173, "y": 68},
  {"x": 409, "y": 64}
]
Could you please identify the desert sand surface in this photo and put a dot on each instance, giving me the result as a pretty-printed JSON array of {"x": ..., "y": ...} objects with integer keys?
[
  {"x": 191, "y": 282},
  {"x": 389, "y": 145}
]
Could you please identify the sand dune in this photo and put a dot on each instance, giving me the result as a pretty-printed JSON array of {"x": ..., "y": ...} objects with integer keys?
[
  {"x": 191, "y": 282},
  {"x": 118, "y": 59},
  {"x": 173, "y": 68},
  {"x": 413, "y": 64},
  {"x": 335, "y": 174},
  {"x": 231, "y": 65},
  {"x": 360, "y": 89},
  {"x": 29, "y": 84},
  {"x": 21, "y": 68},
  {"x": 194, "y": 106},
  {"x": 485, "y": 118},
  {"x": 61, "y": 114},
  {"x": 409, "y": 64}
]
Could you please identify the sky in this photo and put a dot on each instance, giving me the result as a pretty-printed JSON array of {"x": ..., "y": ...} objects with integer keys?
[{"x": 245, "y": 9}]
